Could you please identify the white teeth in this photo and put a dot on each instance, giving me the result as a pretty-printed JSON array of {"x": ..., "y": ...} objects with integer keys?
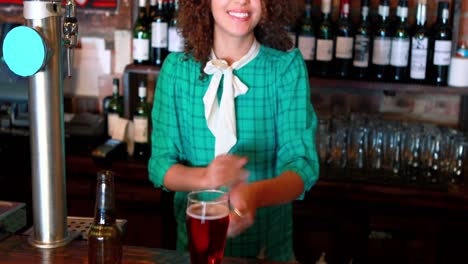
[{"x": 239, "y": 15}]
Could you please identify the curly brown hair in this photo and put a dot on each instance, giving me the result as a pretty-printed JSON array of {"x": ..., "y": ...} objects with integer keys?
[{"x": 196, "y": 23}]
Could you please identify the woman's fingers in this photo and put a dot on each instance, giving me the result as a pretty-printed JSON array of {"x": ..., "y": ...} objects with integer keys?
[{"x": 239, "y": 221}]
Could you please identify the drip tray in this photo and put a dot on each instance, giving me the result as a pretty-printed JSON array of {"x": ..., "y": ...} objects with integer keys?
[{"x": 81, "y": 225}]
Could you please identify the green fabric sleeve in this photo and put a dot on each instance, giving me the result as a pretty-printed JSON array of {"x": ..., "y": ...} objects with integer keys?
[
  {"x": 165, "y": 139},
  {"x": 297, "y": 122}
]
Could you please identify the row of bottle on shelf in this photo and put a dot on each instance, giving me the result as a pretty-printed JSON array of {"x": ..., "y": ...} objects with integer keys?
[
  {"x": 141, "y": 122},
  {"x": 387, "y": 50},
  {"x": 155, "y": 32}
]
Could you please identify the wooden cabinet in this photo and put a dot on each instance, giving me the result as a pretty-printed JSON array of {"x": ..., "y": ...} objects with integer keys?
[{"x": 378, "y": 224}]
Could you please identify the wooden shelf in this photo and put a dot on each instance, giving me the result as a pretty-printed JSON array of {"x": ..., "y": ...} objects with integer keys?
[
  {"x": 142, "y": 69},
  {"x": 340, "y": 84}
]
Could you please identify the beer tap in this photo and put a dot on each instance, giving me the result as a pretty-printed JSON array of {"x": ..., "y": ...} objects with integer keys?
[
  {"x": 70, "y": 33},
  {"x": 35, "y": 51}
]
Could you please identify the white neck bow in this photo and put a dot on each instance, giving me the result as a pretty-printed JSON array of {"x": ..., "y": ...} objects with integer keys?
[{"x": 221, "y": 120}]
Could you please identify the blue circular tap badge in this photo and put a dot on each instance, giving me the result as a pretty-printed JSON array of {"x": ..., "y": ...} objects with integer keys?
[{"x": 24, "y": 51}]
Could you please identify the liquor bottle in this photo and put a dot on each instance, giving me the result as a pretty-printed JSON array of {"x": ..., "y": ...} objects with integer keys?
[
  {"x": 141, "y": 36},
  {"x": 159, "y": 31},
  {"x": 176, "y": 40},
  {"x": 344, "y": 42},
  {"x": 400, "y": 45},
  {"x": 362, "y": 44},
  {"x": 306, "y": 39},
  {"x": 324, "y": 45},
  {"x": 141, "y": 128},
  {"x": 419, "y": 45},
  {"x": 105, "y": 236},
  {"x": 440, "y": 47},
  {"x": 382, "y": 43},
  {"x": 115, "y": 108}
]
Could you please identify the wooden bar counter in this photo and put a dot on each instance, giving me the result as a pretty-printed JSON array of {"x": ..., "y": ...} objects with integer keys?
[{"x": 17, "y": 250}]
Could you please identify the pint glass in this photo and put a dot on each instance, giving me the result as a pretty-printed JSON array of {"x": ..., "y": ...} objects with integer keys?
[{"x": 207, "y": 224}]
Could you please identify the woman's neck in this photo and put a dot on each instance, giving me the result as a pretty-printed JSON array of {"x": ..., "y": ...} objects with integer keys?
[{"x": 232, "y": 49}]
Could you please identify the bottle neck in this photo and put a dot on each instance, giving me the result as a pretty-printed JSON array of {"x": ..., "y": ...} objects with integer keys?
[
  {"x": 326, "y": 8},
  {"x": 443, "y": 16},
  {"x": 160, "y": 5},
  {"x": 344, "y": 10},
  {"x": 104, "y": 212},
  {"x": 142, "y": 93},
  {"x": 364, "y": 13},
  {"x": 402, "y": 13},
  {"x": 384, "y": 11},
  {"x": 308, "y": 11},
  {"x": 421, "y": 15},
  {"x": 115, "y": 91}
]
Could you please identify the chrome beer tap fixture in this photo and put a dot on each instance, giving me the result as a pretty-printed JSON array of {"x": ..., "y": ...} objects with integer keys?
[
  {"x": 35, "y": 50},
  {"x": 70, "y": 33}
]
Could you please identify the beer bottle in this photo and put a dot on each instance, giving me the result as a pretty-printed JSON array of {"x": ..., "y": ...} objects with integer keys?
[{"x": 104, "y": 236}]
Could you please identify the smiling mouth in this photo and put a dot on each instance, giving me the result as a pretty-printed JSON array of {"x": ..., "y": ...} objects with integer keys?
[{"x": 238, "y": 14}]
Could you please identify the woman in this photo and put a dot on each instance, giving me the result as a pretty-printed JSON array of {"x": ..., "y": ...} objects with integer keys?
[{"x": 233, "y": 111}]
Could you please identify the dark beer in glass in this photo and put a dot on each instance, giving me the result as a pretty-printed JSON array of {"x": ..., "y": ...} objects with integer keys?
[{"x": 207, "y": 224}]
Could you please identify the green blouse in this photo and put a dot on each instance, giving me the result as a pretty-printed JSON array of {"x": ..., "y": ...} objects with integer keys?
[{"x": 276, "y": 126}]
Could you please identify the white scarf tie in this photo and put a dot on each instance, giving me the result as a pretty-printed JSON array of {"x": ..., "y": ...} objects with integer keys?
[{"x": 221, "y": 120}]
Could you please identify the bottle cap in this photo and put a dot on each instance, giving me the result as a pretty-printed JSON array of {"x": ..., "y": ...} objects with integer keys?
[{"x": 115, "y": 81}]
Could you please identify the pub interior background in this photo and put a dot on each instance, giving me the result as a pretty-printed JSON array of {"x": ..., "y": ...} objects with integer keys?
[{"x": 359, "y": 215}]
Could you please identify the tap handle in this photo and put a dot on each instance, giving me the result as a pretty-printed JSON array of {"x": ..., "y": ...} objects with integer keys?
[{"x": 70, "y": 32}]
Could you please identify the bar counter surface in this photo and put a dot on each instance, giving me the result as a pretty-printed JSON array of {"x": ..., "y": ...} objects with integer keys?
[{"x": 17, "y": 250}]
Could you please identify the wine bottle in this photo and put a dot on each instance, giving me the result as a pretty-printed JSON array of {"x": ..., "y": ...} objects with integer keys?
[
  {"x": 382, "y": 43},
  {"x": 141, "y": 36},
  {"x": 114, "y": 108},
  {"x": 306, "y": 39},
  {"x": 105, "y": 236},
  {"x": 362, "y": 44},
  {"x": 141, "y": 128},
  {"x": 325, "y": 38},
  {"x": 400, "y": 45},
  {"x": 440, "y": 47},
  {"x": 344, "y": 42},
  {"x": 176, "y": 40},
  {"x": 159, "y": 32},
  {"x": 419, "y": 45}
]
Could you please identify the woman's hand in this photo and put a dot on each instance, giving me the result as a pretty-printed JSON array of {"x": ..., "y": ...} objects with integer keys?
[
  {"x": 243, "y": 204},
  {"x": 226, "y": 170}
]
